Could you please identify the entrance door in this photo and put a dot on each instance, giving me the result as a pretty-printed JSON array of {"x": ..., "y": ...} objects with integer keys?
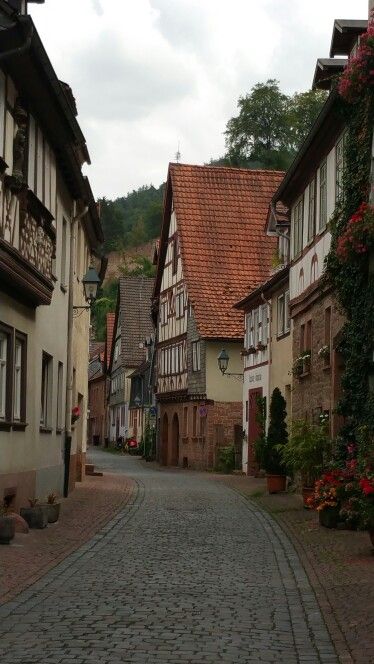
[
  {"x": 254, "y": 428},
  {"x": 175, "y": 441}
]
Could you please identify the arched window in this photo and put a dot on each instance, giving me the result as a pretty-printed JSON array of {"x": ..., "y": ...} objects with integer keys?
[{"x": 314, "y": 269}]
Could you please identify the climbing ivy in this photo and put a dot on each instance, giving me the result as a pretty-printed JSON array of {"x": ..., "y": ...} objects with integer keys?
[{"x": 350, "y": 275}]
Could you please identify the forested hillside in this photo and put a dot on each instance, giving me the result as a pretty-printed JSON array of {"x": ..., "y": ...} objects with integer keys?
[{"x": 132, "y": 220}]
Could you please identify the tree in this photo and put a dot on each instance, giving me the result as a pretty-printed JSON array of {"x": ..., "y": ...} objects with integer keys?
[
  {"x": 303, "y": 110},
  {"x": 260, "y": 129},
  {"x": 270, "y": 126},
  {"x": 277, "y": 435}
]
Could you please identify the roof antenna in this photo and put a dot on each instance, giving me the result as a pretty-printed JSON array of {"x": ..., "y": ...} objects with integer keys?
[{"x": 178, "y": 154}]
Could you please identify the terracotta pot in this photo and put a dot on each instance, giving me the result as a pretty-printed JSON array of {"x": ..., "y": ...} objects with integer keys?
[
  {"x": 7, "y": 529},
  {"x": 307, "y": 492},
  {"x": 53, "y": 511},
  {"x": 276, "y": 483},
  {"x": 329, "y": 517}
]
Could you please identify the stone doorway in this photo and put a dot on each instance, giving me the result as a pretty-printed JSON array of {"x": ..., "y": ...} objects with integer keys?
[{"x": 174, "y": 460}]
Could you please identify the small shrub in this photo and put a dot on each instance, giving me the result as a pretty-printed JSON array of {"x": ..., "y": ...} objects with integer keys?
[{"x": 225, "y": 459}]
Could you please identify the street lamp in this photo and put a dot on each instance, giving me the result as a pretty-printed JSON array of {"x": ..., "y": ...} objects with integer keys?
[
  {"x": 223, "y": 362},
  {"x": 91, "y": 281}
]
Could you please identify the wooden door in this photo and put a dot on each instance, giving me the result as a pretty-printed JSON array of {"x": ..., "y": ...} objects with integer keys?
[{"x": 254, "y": 428}]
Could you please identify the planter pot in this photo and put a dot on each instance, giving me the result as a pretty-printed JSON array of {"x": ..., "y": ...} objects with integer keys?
[
  {"x": 276, "y": 483},
  {"x": 53, "y": 511},
  {"x": 329, "y": 517},
  {"x": 7, "y": 529},
  {"x": 36, "y": 517},
  {"x": 307, "y": 492}
]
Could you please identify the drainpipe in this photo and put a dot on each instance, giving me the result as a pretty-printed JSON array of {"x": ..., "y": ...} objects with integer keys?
[{"x": 69, "y": 359}]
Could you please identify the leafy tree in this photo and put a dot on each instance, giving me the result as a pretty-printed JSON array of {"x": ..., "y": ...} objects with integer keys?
[
  {"x": 140, "y": 266},
  {"x": 105, "y": 303},
  {"x": 270, "y": 126}
]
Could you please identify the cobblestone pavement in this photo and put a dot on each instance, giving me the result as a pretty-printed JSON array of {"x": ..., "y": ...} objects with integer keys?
[
  {"x": 87, "y": 509},
  {"x": 188, "y": 572},
  {"x": 339, "y": 564}
]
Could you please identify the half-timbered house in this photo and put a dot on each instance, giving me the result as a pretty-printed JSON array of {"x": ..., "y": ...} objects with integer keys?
[
  {"x": 210, "y": 252},
  {"x": 49, "y": 229},
  {"x": 311, "y": 190}
]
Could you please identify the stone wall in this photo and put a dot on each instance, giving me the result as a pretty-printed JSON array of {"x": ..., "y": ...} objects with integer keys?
[
  {"x": 318, "y": 390},
  {"x": 198, "y": 444},
  {"x": 196, "y": 379}
]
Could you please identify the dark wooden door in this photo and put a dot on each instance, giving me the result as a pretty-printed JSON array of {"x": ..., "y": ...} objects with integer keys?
[{"x": 254, "y": 428}]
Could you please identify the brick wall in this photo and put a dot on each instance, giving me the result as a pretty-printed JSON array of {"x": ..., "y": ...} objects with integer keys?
[
  {"x": 319, "y": 389},
  {"x": 197, "y": 446}
]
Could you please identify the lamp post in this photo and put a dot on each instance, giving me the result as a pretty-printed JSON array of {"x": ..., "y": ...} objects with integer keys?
[{"x": 223, "y": 363}]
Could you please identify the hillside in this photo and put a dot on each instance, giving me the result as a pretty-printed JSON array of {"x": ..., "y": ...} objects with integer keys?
[{"x": 132, "y": 220}]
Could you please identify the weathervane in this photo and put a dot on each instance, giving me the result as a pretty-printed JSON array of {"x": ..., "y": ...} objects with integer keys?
[{"x": 178, "y": 154}]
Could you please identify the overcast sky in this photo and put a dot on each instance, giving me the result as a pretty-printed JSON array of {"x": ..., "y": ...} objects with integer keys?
[{"x": 151, "y": 74}]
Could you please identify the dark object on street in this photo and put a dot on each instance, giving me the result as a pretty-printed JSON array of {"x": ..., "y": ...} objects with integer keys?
[
  {"x": 7, "y": 529},
  {"x": 36, "y": 517}
]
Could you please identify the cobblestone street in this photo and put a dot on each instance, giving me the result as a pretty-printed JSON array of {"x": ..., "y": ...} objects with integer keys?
[{"x": 188, "y": 571}]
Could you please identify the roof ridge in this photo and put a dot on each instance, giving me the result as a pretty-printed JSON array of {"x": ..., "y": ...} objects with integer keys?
[{"x": 234, "y": 169}]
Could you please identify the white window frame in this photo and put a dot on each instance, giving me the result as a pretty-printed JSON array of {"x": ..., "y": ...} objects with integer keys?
[
  {"x": 322, "y": 217},
  {"x": 4, "y": 338},
  {"x": 46, "y": 389},
  {"x": 17, "y": 381}
]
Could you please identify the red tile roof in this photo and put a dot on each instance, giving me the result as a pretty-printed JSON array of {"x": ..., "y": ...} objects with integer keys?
[
  {"x": 110, "y": 318},
  {"x": 221, "y": 214}
]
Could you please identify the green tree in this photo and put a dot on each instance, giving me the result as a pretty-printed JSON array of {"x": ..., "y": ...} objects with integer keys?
[
  {"x": 140, "y": 266},
  {"x": 270, "y": 126}
]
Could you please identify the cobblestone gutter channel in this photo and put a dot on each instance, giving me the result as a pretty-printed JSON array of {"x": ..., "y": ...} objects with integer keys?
[{"x": 189, "y": 571}]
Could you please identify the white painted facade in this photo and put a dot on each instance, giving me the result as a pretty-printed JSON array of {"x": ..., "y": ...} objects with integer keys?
[
  {"x": 256, "y": 363},
  {"x": 172, "y": 320},
  {"x": 308, "y": 255}
]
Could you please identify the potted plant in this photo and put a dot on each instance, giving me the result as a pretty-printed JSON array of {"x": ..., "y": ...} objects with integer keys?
[
  {"x": 75, "y": 414},
  {"x": 7, "y": 526},
  {"x": 273, "y": 443},
  {"x": 306, "y": 452},
  {"x": 35, "y": 515},
  {"x": 53, "y": 508},
  {"x": 366, "y": 484}
]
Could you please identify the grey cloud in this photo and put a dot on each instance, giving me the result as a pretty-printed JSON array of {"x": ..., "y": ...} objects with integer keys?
[
  {"x": 116, "y": 85},
  {"x": 97, "y": 7}
]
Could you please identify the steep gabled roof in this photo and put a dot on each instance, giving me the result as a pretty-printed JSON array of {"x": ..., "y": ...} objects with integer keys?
[
  {"x": 221, "y": 214},
  {"x": 135, "y": 294},
  {"x": 110, "y": 318}
]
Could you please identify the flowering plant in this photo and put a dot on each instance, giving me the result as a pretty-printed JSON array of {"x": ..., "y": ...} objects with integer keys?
[
  {"x": 301, "y": 363},
  {"x": 366, "y": 483},
  {"x": 324, "y": 352},
  {"x": 75, "y": 414},
  {"x": 359, "y": 72},
  {"x": 358, "y": 236}
]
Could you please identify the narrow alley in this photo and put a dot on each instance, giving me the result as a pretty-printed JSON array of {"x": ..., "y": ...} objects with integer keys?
[{"x": 189, "y": 571}]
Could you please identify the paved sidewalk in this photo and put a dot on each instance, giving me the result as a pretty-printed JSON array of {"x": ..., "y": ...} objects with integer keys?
[
  {"x": 189, "y": 572},
  {"x": 339, "y": 564},
  {"x": 88, "y": 508}
]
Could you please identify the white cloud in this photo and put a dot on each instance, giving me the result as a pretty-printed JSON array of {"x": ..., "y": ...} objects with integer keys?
[{"x": 152, "y": 73}]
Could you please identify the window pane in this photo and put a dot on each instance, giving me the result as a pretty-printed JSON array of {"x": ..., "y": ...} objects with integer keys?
[
  {"x": 17, "y": 379},
  {"x": 3, "y": 373},
  {"x": 323, "y": 196}
]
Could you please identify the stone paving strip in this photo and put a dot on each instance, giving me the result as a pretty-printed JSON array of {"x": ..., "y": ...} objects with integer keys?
[
  {"x": 188, "y": 572},
  {"x": 92, "y": 504},
  {"x": 339, "y": 565}
]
